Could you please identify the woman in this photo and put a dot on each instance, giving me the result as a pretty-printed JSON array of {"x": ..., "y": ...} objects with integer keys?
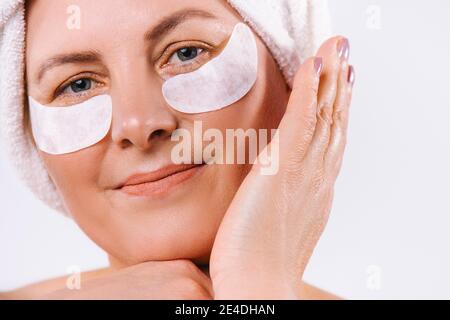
[{"x": 177, "y": 231}]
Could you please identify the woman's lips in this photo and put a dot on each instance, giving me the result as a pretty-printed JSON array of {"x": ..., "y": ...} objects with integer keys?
[{"x": 158, "y": 182}]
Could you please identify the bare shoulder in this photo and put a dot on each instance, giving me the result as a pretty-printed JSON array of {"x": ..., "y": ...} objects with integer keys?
[
  {"x": 309, "y": 292},
  {"x": 40, "y": 289}
]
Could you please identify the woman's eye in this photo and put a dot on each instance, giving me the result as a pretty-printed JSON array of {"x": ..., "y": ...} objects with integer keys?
[
  {"x": 185, "y": 55},
  {"x": 78, "y": 86}
]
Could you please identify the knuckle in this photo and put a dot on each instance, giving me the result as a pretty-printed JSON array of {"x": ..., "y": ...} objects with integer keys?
[
  {"x": 325, "y": 113},
  {"x": 184, "y": 265},
  {"x": 339, "y": 116}
]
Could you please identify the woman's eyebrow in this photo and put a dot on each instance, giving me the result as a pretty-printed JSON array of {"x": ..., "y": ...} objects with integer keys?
[
  {"x": 169, "y": 23},
  {"x": 166, "y": 25},
  {"x": 61, "y": 59}
]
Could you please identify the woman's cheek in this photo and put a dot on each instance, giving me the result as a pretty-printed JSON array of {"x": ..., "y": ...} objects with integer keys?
[{"x": 75, "y": 175}]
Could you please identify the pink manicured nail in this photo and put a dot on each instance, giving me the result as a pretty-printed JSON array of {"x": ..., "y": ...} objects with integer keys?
[
  {"x": 318, "y": 65},
  {"x": 343, "y": 49},
  {"x": 351, "y": 75}
]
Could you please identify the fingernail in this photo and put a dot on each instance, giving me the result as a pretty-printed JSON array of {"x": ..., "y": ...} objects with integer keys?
[
  {"x": 318, "y": 65},
  {"x": 343, "y": 49},
  {"x": 351, "y": 75}
]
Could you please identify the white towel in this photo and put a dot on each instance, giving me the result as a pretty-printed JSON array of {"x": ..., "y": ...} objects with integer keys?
[{"x": 291, "y": 29}]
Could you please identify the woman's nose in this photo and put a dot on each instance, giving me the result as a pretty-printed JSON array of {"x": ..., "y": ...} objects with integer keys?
[{"x": 141, "y": 121}]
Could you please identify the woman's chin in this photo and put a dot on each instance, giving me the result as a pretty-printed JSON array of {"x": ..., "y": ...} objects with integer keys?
[{"x": 199, "y": 254}]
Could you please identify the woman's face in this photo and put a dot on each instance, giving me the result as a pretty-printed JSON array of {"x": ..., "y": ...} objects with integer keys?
[{"x": 126, "y": 49}]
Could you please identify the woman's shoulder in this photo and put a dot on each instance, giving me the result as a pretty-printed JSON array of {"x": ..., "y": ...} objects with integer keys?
[
  {"x": 34, "y": 291},
  {"x": 43, "y": 288}
]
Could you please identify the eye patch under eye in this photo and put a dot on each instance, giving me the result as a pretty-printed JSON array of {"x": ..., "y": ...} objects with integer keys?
[
  {"x": 62, "y": 130},
  {"x": 221, "y": 82}
]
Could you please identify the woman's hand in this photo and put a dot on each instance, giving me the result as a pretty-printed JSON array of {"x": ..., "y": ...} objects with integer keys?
[
  {"x": 156, "y": 280},
  {"x": 274, "y": 222}
]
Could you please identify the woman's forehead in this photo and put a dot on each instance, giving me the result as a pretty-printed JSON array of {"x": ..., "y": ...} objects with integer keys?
[
  {"x": 114, "y": 11},
  {"x": 65, "y": 18}
]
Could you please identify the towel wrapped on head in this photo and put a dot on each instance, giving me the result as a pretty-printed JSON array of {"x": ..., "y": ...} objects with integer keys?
[{"x": 291, "y": 29}]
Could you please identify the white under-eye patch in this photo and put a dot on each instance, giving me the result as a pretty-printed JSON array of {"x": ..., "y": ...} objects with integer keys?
[
  {"x": 221, "y": 82},
  {"x": 61, "y": 130}
]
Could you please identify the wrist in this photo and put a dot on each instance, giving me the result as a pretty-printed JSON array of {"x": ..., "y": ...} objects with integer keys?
[{"x": 256, "y": 288}]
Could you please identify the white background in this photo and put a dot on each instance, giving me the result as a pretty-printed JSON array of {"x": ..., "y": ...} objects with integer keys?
[{"x": 388, "y": 235}]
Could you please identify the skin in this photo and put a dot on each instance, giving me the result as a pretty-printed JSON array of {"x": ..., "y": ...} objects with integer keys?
[{"x": 203, "y": 238}]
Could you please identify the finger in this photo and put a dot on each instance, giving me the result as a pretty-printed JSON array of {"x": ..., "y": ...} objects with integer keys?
[
  {"x": 335, "y": 52},
  {"x": 190, "y": 270},
  {"x": 206, "y": 280},
  {"x": 298, "y": 124},
  {"x": 200, "y": 276},
  {"x": 338, "y": 140}
]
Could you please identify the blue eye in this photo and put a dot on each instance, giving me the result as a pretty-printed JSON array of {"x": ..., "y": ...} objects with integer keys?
[
  {"x": 185, "y": 54},
  {"x": 80, "y": 86}
]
